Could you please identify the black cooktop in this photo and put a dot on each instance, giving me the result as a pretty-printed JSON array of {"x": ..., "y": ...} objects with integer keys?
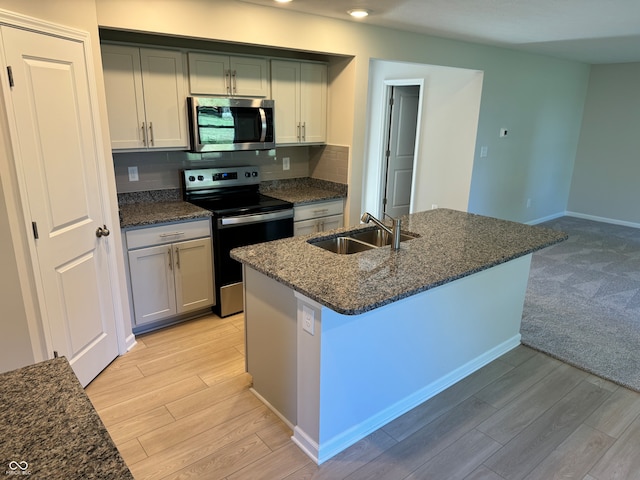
[
  {"x": 227, "y": 204},
  {"x": 228, "y": 191}
]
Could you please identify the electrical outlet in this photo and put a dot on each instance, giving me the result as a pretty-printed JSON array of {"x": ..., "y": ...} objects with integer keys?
[
  {"x": 528, "y": 203},
  {"x": 483, "y": 151},
  {"x": 286, "y": 163},
  {"x": 434, "y": 206},
  {"x": 308, "y": 319},
  {"x": 503, "y": 132},
  {"x": 133, "y": 174}
]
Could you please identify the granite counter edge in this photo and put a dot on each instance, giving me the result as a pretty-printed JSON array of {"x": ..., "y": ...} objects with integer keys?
[{"x": 366, "y": 307}]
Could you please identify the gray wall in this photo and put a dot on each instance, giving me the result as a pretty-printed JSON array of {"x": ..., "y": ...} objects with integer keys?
[
  {"x": 540, "y": 99},
  {"x": 15, "y": 344},
  {"x": 607, "y": 167}
]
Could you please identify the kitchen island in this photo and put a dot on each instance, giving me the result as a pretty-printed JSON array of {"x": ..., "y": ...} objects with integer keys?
[{"x": 339, "y": 345}]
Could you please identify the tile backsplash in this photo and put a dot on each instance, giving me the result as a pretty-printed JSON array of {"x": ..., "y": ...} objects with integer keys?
[{"x": 161, "y": 170}]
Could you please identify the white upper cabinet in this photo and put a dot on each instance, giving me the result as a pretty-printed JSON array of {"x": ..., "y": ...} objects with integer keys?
[
  {"x": 226, "y": 75},
  {"x": 299, "y": 90},
  {"x": 146, "y": 97}
]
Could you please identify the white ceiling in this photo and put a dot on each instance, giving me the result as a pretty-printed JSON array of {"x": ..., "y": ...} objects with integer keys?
[{"x": 591, "y": 31}]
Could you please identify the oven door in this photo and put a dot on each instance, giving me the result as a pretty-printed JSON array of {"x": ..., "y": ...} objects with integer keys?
[
  {"x": 238, "y": 231},
  {"x": 223, "y": 124}
]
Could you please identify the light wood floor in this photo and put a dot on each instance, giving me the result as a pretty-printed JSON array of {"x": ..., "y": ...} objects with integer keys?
[{"x": 178, "y": 407}]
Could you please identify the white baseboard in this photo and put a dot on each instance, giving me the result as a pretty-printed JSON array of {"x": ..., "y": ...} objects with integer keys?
[
  {"x": 602, "y": 219},
  {"x": 546, "y": 219},
  {"x": 130, "y": 342},
  {"x": 272, "y": 408},
  {"x": 584, "y": 216}
]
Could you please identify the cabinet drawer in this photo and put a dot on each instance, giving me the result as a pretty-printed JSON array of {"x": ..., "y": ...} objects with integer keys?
[
  {"x": 317, "y": 209},
  {"x": 316, "y": 225},
  {"x": 168, "y": 233}
]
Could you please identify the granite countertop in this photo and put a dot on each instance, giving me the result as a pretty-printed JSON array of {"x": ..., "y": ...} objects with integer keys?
[
  {"x": 139, "y": 209},
  {"x": 50, "y": 428},
  {"x": 149, "y": 213},
  {"x": 451, "y": 245},
  {"x": 300, "y": 191}
]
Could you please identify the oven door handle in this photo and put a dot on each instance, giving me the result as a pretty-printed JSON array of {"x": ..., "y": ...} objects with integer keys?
[{"x": 254, "y": 218}]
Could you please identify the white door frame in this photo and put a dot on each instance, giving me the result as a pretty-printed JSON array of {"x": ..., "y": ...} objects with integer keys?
[
  {"x": 16, "y": 201},
  {"x": 387, "y": 128},
  {"x": 378, "y": 158}
]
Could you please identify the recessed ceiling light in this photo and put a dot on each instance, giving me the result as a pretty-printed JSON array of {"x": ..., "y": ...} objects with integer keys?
[
  {"x": 283, "y": 1},
  {"x": 358, "y": 12}
]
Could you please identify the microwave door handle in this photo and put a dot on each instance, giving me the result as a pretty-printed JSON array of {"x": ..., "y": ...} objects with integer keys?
[{"x": 263, "y": 120}]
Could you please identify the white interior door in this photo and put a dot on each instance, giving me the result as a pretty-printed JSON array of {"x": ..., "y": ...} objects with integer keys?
[
  {"x": 401, "y": 150},
  {"x": 57, "y": 159}
]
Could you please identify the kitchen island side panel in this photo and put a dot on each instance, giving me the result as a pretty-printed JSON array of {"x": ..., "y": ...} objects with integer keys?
[
  {"x": 270, "y": 323},
  {"x": 376, "y": 366}
]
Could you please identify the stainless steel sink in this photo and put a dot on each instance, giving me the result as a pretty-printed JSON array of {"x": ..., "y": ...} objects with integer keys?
[
  {"x": 378, "y": 237},
  {"x": 358, "y": 241},
  {"x": 343, "y": 245}
]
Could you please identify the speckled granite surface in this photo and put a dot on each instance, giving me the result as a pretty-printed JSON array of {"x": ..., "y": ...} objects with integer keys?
[
  {"x": 49, "y": 428},
  {"x": 138, "y": 209},
  {"x": 452, "y": 245},
  {"x": 150, "y": 213},
  {"x": 303, "y": 190}
]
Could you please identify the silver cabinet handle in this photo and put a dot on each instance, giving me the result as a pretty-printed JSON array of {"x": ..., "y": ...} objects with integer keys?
[
  {"x": 172, "y": 234},
  {"x": 235, "y": 85},
  {"x": 299, "y": 137},
  {"x": 304, "y": 131},
  {"x": 150, "y": 134},
  {"x": 102, "y": 231},
  {"x": 144, "y": 135},
  {"x": 321, "y": 211},
  {"x": 227, "y": 81},
  {"x": 178, "y": 257},
  {"x": 170, "y": 259}
]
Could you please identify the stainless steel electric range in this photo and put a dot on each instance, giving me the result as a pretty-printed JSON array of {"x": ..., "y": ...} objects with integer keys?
[{"x": 241, "y": 216}]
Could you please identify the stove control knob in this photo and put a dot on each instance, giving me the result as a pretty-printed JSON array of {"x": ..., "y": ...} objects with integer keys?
[
  {"x": 192, "y": 178},
  {"x": 200, "y": 177},
  {"x": 254, "y": 174},
  {"x": 247, "y": 174}
]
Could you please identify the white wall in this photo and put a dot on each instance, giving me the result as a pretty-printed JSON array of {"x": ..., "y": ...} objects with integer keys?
[
  {"x": 446, "y": 137},
  {"x": 607, "y": 168}
]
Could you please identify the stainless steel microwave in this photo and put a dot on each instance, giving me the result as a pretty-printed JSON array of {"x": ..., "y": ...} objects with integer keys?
[{"x": 225, "y": 124}]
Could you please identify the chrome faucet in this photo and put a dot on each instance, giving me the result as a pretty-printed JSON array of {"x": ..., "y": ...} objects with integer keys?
[{"x": 394, "y": 231}]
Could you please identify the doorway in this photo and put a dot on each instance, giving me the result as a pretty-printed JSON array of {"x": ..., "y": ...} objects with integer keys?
[
  {"x": 446, "y": 134},
  {"x": 400, "y": 151}
]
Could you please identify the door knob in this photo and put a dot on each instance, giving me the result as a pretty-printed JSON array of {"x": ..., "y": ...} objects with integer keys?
[{"x": 102, "y": 231}]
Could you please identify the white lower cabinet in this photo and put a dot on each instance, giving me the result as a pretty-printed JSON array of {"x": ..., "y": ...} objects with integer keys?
[
  {"x": 170, "y": 273},
  {"x": 318, "y": 217}
]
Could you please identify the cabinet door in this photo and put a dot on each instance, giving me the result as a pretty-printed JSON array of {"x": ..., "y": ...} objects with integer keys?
[
  {"x": 164, "y": 98},
  {"x": 313, "y": 102},
  {"x": 306, "y": 227},
  {"x": 123, "y": 86},
  {"x": 285, "y": 91},
  {"x": 193, "y": 269},
  {"x": 249, "y": 77},
  {"x": 152, "y": 283},
  {"x": 329, "y": 223},
  {"x": 208, "y": 74}
]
